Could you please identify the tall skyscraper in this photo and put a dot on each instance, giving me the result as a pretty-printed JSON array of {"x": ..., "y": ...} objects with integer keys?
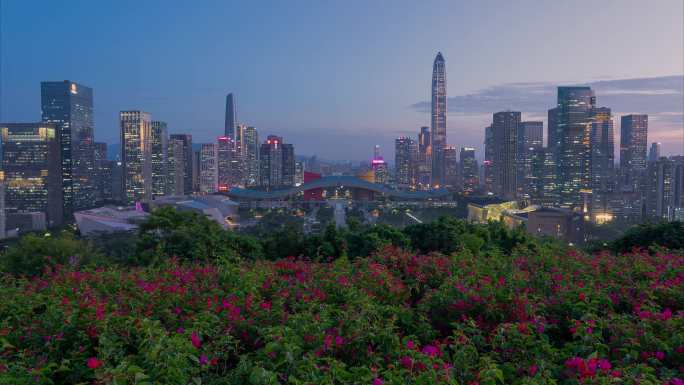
[
  {"x": 530, "y": 138},
  {"x": 542, "y": 189},
  {"x": 277, "y": 164},
  {"x": 176, "y": 167},
  {"x": 229, "y": 170},
  {"x": 404, "y": 155},
  {"x": 469, "y": 171},
  {"x": 136, "y": 137},
  {"x": 654, "y": 152},
  {"x": 602, "y": 161},
  {"x": 489, "y": 159},
  {"x": 182, "y": 163},
  {"x": 69, "y": 106},
  {"x": 438, "y": 121},
  {"x": 451, "y": 170},
  {"x": 196, "y": 171},
  {"x": 248, "y": 150},
  {"x": 208, "y": 168},
  {"x": 231, "y": 117},
  {"x": 31, "y": 169},
  {"x": 505, "y": 133},
  {"x": 664, "y": 184},
  {"x": 424, "y": 166},
  {"x": 159, "y": 152},
  {"x": 573, "y": 144},
  {"x": 289, "y": 168},
  {"x": 633, "y": 144},
  {"x": 103, "y": 174}
]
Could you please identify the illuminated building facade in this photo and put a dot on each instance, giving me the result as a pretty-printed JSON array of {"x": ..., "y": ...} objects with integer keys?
[
  {"x": 405, "y": 157},
  {"x": 159, "y": 153},
  {"x": 276, "y": 163},
  {"x": 469, "y": 170},
  {"x": 424, "y": 166},
  {"x": 602, "y": 162},
  {"x": 633, "y": 144},
  {"x": 180, "y": 166},
  {"x": 530, "y": 138},
  {"x": 31, "y": 169},
  {"x": 136, "y": 139},
  {"x": 504, "y": 141},
  {"x": 208, "y": 168},
  {"x": 573, "y": 123},
  {"x": 451, "y": 171},
  {"x": 69, "y": 106},
  {"x": 438, "y": 119}
]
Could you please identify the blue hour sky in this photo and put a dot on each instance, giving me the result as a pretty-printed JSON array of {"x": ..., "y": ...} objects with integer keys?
[{"x": 337, "y": 77}]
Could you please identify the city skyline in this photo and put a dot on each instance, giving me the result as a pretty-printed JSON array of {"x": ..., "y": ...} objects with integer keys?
[{"x": 190, "y": 96}]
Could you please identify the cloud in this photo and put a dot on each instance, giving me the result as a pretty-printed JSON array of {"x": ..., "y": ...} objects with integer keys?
[{"x": 656, "y": 95}]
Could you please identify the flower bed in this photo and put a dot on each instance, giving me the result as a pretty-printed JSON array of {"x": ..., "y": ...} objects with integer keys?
[{"x": 393, "y": 318}]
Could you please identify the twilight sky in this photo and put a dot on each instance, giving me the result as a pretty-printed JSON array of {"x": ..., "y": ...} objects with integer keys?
[{"x": 336, "y": 77}]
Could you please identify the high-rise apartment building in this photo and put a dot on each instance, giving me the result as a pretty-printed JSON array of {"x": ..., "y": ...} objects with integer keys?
[
  {"x": 136, "y": 138},
  {"x": 404, "y": 160},
  {"x": 229, "y": 169},
  {"x": 103, "y": 174},
  {"x": 181, "y": 163},
  {"x": 31, "y": 169},
  {"x": 176, "y": 167},
  {"x": 488, "y": 165},
  {"x": 424, "y": 164},
  {"x": 208, "y": 168},
  {"x": 572, "y": 148},
  {"x": 505, "y": 133},
  {"x": 542, "y": 189},
  {"x": 451, "y": 170},
  {"x": 602, "y": 162},
  {"x": 469, "y": 170},
  {"x": 159, "y": 153},
  {"x": 438, "y": 119},
  {"x": 664, "y": 198},
  {"x": 69, "y": 106},
  {"x": 276, "y": 161},
  {"x": 633, "y": 144},
  {"x": 530, "y": 138},
  {"x": 248, "y": 150}
]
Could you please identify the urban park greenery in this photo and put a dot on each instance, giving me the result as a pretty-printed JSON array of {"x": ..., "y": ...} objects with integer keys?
[{"x": 442, "y": 303}]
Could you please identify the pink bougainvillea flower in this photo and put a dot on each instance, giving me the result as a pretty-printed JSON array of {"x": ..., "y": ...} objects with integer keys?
[
  {"x": 410, "y": 345},
  {"x": 406, "y": 362},
  {"x": 666, "y": 314},
  {"x": 430, "y": 350},
  {"x": 93, "y": 363},
  {"x": 660, "y": 356},
  {"x": 533, "y": 370},
  {"x": 604, "y": 365},
  {"x": 180, "y": 330},
  {"x": 377, "y": 381},
  {"x": 203, "y": 360},
  {"x": 339, "y": 341},
  {"x": 196, "y": 341},
  {"x": 582, "y": 297}
]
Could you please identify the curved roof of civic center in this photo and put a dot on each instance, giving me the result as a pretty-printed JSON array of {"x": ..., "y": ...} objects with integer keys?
[{"x": 341, "y": 182}]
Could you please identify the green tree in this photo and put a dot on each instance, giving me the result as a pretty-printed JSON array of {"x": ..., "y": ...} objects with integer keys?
[
  {"x": 32, "y": 253},
  {"x": 184, "y": 234},
  {"x": 669, "y": 235}
]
